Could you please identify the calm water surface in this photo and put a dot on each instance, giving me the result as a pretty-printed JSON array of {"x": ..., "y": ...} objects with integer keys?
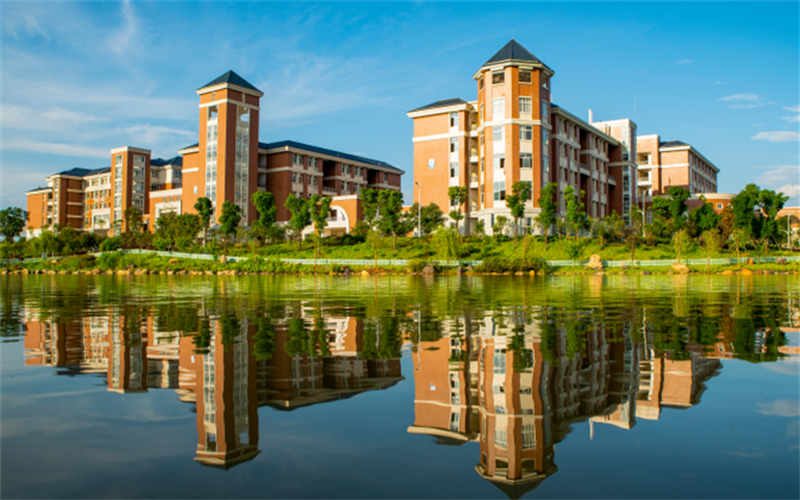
[{"x": 406, "y": 387}]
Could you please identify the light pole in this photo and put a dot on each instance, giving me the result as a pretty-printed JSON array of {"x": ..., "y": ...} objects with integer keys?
[{"x": 419, "y": 212}]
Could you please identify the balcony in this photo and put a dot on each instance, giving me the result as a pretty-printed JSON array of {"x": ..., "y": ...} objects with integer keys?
[{"x": 328, "y": 189}]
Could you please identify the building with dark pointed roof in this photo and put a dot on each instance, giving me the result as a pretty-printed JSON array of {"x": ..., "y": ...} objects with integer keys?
[
  {"x": 513, "y": 52},
  {"x": 230, "y": 79}
]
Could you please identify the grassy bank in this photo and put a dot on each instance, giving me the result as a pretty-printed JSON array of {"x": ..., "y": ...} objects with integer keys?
[{"x": 139, "y": 264}]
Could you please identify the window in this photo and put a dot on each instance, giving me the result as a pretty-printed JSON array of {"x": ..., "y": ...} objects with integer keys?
[
  {"x": 526, "y": 160},
  {"x": 454, "y": 144},
  {"x": 524, "y": 76},
  {"x": 545, "y": 112},
  {"x": 481, "y": 112},
  {"x": 498, "y": 108},
  {"x": 526, "y": 132},
  {"x": 500, "y": 194},
  {"x": 544, "y": 81},
  {"x": 525, "y": 105},
  {"x": 545, "y": 139},
  {"x": 719, "y": 206},
  {"x": 453, "y": 119},
  {"x": 499, "y": 161},
  {"x": 453, "y": 169},
  {"x": 118, "y": 160},
  {"x": 498, "y": 78},
  {"x": 497, "y": 133},
  {"x": 385, "y": 177},
  {"x": 480, "y": 83}
]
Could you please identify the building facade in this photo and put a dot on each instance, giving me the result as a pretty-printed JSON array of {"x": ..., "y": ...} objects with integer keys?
[
  {"x": 672, "y": 163},
  {"x": 514, "y": 133},
  {"x": 228, "y": 163}
]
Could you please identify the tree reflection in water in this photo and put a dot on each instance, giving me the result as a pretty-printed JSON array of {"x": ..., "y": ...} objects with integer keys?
[{"x": 511, "y": 364}]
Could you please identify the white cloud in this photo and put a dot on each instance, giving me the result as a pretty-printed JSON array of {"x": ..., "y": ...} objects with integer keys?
[
  {"x": 784, "y": 178},
  {"x": 24, "y": 118},
  {"x": 781, "y": 408},
  {"x": 149, "y": 134},
  {"x": 777, "y": 136},
  {"x": 123, "y": 39},
  {"x": 720, "y": 83},
  {"x": 793, "y": 109},
  {"x": 743, "y": 101},
  {"x": 684, "y": 61},
  {"x": 55, "y": 148}
]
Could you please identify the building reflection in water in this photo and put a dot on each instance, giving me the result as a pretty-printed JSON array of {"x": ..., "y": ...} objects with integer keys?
[
  {"x": 517, "y": 386},
  {"x": 217, "y": 369},
  {"x": 512, "y": 381}
]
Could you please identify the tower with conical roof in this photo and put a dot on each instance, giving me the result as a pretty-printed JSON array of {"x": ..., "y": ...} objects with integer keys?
[
  {"x": 227, "y": 164},
  {"x": 513, "y": 127}
]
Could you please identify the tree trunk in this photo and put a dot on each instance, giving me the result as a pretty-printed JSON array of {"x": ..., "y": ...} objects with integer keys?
[{"x": 394, "y": 241}]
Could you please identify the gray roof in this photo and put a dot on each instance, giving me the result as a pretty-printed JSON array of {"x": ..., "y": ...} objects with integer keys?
[
  {"x": 442, "y": 104},
  {"x": 513, "y": 51},
  {"x": 37, "y": 189},
  {"x": 84, "y": 172},
  {"x": 672, "y": 144},
  {"x": 159, "y": 162},
  {"x": 328, "y": 152},
  {"x": 233, "y": 79}
]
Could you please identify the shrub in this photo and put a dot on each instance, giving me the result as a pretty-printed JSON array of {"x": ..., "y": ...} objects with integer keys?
[
  {"x": 352, "y": 239},
  {"x": 416, "y": 265},
  {"x": 111, "y": 244}
]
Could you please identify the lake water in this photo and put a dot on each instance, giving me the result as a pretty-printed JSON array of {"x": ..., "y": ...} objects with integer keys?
[{"x": 400, "y": 387}]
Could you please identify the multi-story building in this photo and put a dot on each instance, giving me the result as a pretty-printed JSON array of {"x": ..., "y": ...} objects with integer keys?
[
  {"x": 514, "y": 133},
  {"x": 228, "y": 163},
  {"x": 672, "y": 163}
]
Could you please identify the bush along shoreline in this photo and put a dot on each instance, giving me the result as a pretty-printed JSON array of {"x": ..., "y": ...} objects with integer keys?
[{"x": 124, "y": 263}]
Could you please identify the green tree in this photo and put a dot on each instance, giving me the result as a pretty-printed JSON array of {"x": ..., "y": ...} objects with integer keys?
[
  {"x": 458, "y": 195},
  {"x": 549, "y": 206},
  {"x": 320, "y": 209},
  {"x": 301, "y": 216},
  {"x": 631, "y": 241},
  {"x": 392, "y": 222},
  {"x": 680, "y": 239},
  {"x": 711, "y": 243},
  {"x": 740, "y": 238},
  {"x": 176, "y": 231},
  {"x": 446, "y": 243},
  {"x": 704, "y": 218},
  {"x": 520, "y": 194},
  {"x": 133, "y": 220},
  {"x": 574, "y": 249},
  {"x": 576, "y": 217},
  {"x": 204, "y": 209},
  {"x": 499, "y": 226},
  {"x": 229, "y": 220},
  {"x": 371, "y": 205},
  {"x": 432, "y": 217},
  {"x": 12, "y": 223},
  {"x": 267, "y": 212}
]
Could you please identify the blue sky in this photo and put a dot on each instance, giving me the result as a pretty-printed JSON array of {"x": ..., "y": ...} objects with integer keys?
[{"x": 80, "y": 78}]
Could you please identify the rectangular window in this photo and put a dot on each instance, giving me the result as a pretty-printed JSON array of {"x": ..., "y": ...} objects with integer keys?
[
  {"x": 500, "y": 194},
  {"x": 480, "y": 83},
  {"x": 525, "y": 105},
  {"x": 524, "y": 76},
  {"x": 453, "y": 119},
  {"x": 526, "y": 132},
  {"x": 498, "y": 108},
  {"x": 454, "y": 144},
  {"x": 498, "y": 78},
  {"x": 385, "y": 177},
  {"x": 526, "y": 160},
  {"x": 481, "y": 112},
  {"x": 453, "y": 169},
  {"x": 497, "y": 133},
  {"x": 499, "y": 161}
]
